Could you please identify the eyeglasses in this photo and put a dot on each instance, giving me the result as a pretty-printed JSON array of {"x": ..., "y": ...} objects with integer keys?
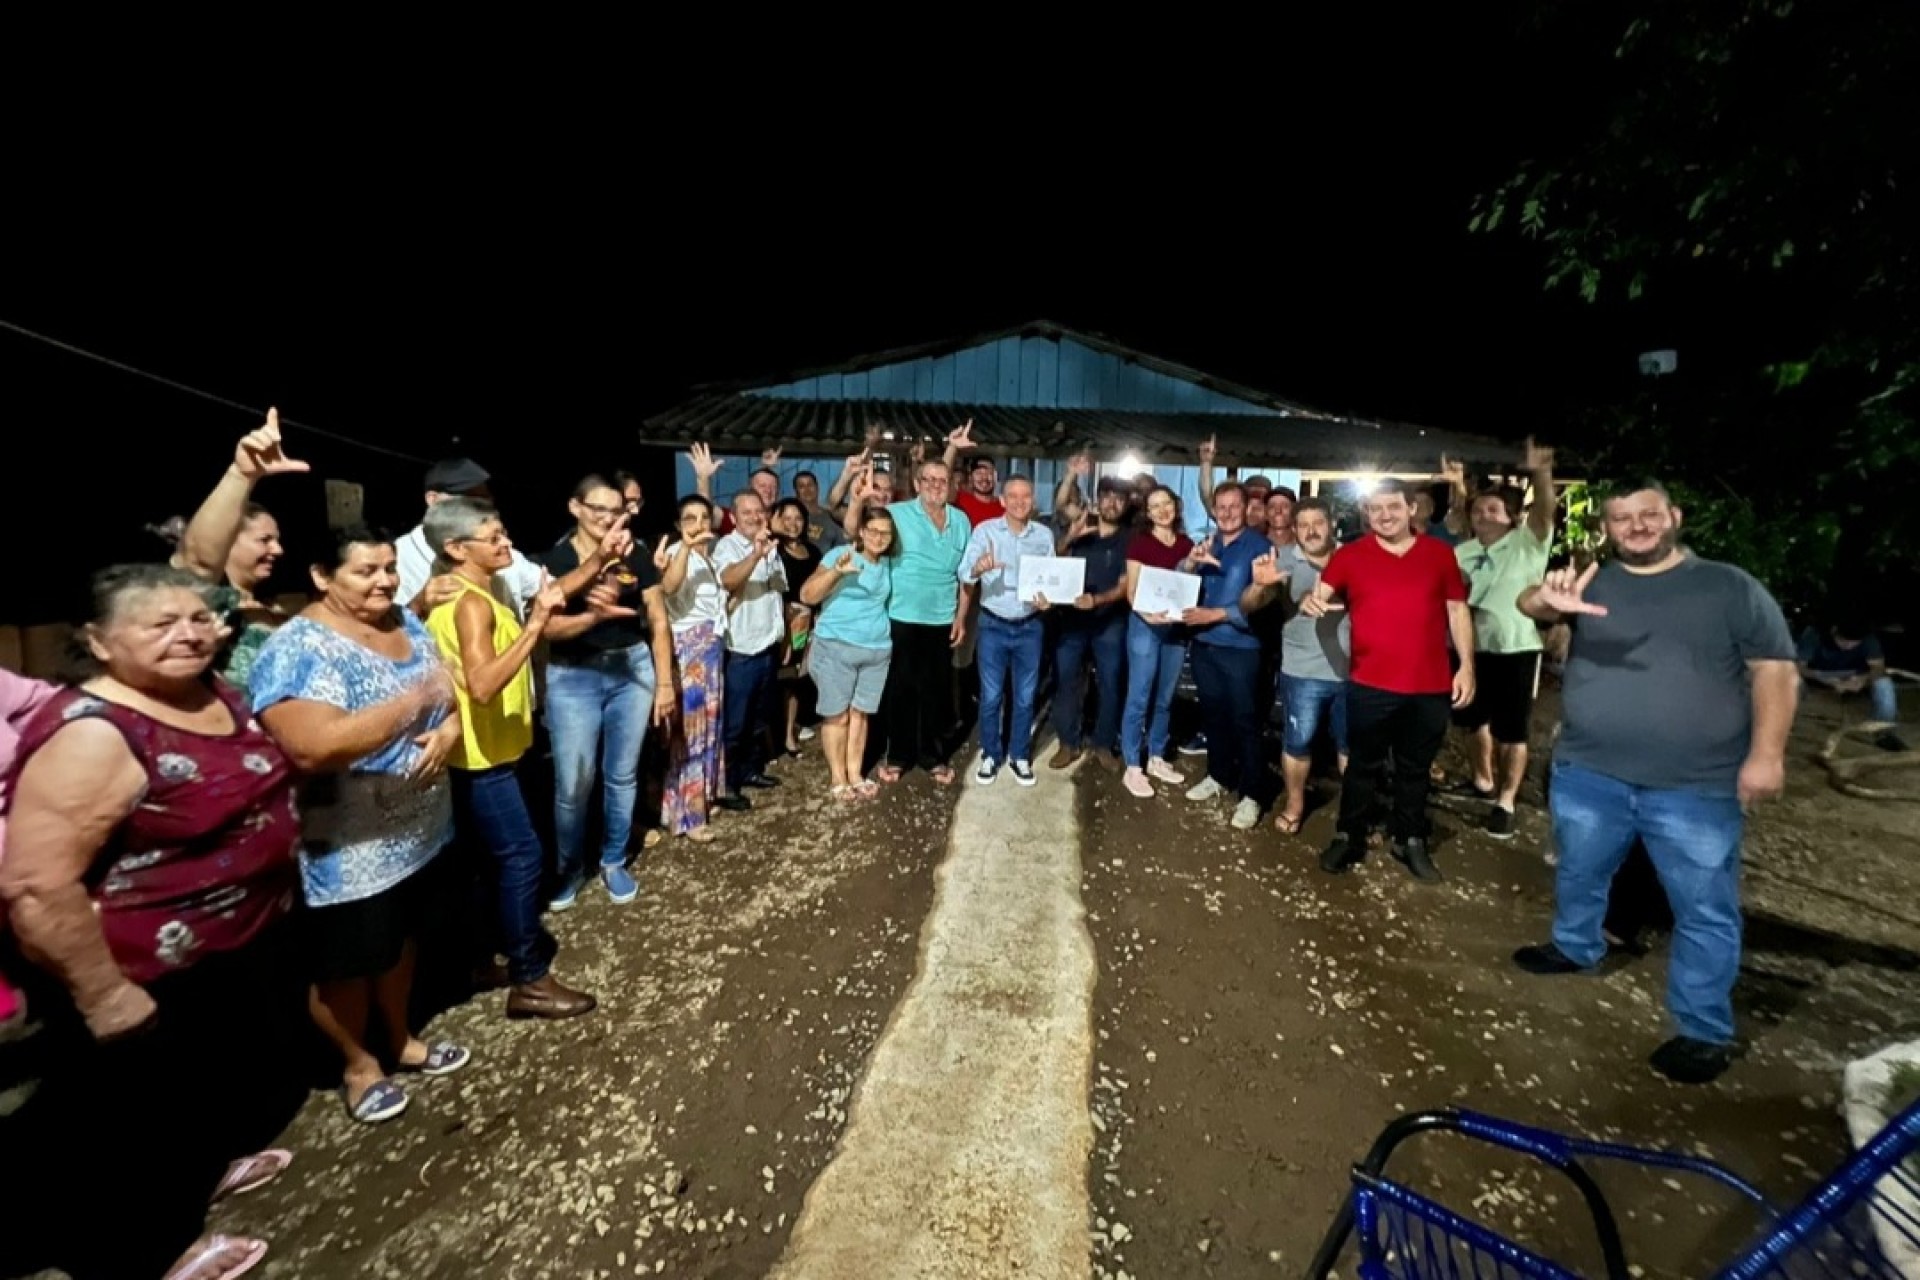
[
  {"x": 599, "y": 510},
  {"x": 497, "y": 540}
]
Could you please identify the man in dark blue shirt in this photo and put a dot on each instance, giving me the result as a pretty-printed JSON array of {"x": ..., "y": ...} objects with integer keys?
[
  {"x": 1226, "y": 661},
  {"x": 1095, "y": 625}
]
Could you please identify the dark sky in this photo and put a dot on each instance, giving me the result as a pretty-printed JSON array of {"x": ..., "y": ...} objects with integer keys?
[{"x": 474, "y": 258}]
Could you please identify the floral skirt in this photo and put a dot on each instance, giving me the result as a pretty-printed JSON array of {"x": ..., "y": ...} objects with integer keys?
[{"x": 697, "y": 763}]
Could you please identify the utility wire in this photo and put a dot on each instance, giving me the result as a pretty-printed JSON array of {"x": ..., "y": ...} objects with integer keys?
[{"x": 123, "y": 367}]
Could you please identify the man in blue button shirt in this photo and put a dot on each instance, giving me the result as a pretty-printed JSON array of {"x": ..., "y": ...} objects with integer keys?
[
  {"x": 1226, "y": 662},
  {"x": 1010, "y": 631}
]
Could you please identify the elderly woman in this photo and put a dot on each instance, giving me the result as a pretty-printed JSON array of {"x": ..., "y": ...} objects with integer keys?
[
  {"x": 234, "y": 542},
  {"x": 697, "y": 611},
  {"x": 354, "y": 692},
  {"x": 852, "y": 647},
  {"x": 609, "y": 672},
  {"x": 149, "y": 872},
  {"x": 491, "y": 655}
]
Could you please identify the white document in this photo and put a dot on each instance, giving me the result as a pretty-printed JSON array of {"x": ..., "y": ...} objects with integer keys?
[
  {"x": 1061, "y": 579},
  {"x": 1164, "y": 591}
]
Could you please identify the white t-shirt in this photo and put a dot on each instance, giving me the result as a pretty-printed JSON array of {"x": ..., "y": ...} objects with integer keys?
[
  {"x": 700, "y": 598},
  {"x": 514, "y": 586},
  {"x": 759, "y": 615}
]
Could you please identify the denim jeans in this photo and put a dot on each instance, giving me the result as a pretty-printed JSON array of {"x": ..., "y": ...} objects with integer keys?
[
  {"x": 1881, "y": 694},
  {"x": 597, "y": 710},
  {"x": 1106, "y": 640},
  {"x": 1154, "y": 655},
  {"x": 1008, "y": 650},
  {"x": 490, "y": 800},
  {"x": 749, "y": 679},
  {"x": 1309, "y": 703},
  {"x": 1694, "y": 841},
  {"x": 1232, "y": 712}
]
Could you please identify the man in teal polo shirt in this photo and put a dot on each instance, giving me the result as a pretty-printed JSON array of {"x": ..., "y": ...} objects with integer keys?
[
  {"x": 927, "y": 618},
  {"x": 1504, "y": 557}
]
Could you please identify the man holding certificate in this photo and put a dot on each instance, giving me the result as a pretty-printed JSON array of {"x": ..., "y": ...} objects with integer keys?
[
  {"x": 1010, "y": 631},
  {"x": 1226, "y": 661}
]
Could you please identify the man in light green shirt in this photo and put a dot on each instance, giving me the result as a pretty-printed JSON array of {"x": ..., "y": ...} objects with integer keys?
[{"x": 1504, "y": 556}]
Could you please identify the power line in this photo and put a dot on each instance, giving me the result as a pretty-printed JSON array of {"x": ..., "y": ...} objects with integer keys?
[{"x": 285, "y": 421}]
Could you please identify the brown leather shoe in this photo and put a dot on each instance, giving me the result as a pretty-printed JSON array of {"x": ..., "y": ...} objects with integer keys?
[
  {"x": 1108, "y": 760},
  {"x": 548, "y": 999},
  {"x": 1064, "y": 757},
  {"x": 491, "y": 977}
]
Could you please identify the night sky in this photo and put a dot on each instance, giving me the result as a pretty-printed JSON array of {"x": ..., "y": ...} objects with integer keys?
[{"x": 532, "y": 274}]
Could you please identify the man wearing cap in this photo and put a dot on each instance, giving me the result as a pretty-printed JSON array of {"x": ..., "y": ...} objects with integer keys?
[{"x": 515, "y": 585}]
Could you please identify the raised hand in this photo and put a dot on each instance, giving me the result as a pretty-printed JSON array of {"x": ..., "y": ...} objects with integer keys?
[
  {"x": 769, "y": 457},
  {"x": 549, "y": 601},
  {"x": 985, "y": 564},
  {"x": 961, "y": 437},
  {"x": 1565, "y": 592},
  {"x": 859, "y": 461},
  {"x": 704, "y": 465},
  {"x": 1202, "y": 553},
  {"x": 1080, "y": 464},
  {"x": 1536, "y": 458},
  {"x": 1207, "y": 448},
  {"x": 261, "y": 453},
  {"x": 849, "y": 566},
  {"x": 1454, "y": 472},
  {"x": 617, "y": 542},
  {"x": 1319, "y": 602},
  {"x": 1267, "y": 571},
  {"x": 660, "y": 552}
]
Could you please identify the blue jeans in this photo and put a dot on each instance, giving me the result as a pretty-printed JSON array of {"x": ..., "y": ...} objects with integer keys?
[
  {"x": 1694, "y": 841},
  {"x": 597, "y": 710},
  {"x": 749, "y": 679},
  {"x": 1106, "y": 640},
  {"x": 1153, "y": 669},
  {"x": 490, "y": 800},
  {"x": 1008, "y": 649},
  {"x": 1308, "y": 703},
  {"x": 1233, "y": 713}
]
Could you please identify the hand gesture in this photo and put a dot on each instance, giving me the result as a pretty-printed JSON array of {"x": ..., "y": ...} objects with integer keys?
[
  {"x": 1563, "y": 592},
  {"x": 1202, "y": 553},
  {"x": 660, "y": 553},
  {"x": 260, "y": 452},
  {"x": 770, "y": 457},
  {"x": 549, "y": 600},
  {"x": 849, "y": 566},
  {"x": 879, "y": 488},
  {"x": 1536, "y": 458},
  {"x": 1267, "y": 571},
  {"x": 917, "y": 454},
  {"x": 1080, "y": 464},
  {"x": 435, "y": 745},
  {"x": 617, "y": 542},
  {"x": 859, "y": 461},
  {"x": 1319, "y": 603},
  {"x": 603, "y": 601},
  {"x": 961, "y": 437},
  {"x": 703, "y": 464},
  {"x": 1207, "y": 448},
  {"x": 985, "y": 565},
  {"x": 764, "y": 545},
  {"x": 1454, "y": 472},
  {"x": 1761, "y": 778}
]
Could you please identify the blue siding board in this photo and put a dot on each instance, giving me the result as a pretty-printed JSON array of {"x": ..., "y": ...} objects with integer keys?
[
  {"x": 923, "y": 381},
  {"x": 1073, "y": 375},
  {"x": 1048, "y": 353},
  {"x": 943, "y": 380},
  {"x": 855, "y": 386},
  {"x": 1007, "y": 354}
]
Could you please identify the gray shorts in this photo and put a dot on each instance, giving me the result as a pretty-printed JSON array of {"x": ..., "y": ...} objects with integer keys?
[{"x": 848, "y": 675}]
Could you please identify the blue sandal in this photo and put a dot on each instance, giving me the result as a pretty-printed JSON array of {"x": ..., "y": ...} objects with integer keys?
[
  {"x": 383, "y": 1100},
  {"x": 444, "y": 1057}
]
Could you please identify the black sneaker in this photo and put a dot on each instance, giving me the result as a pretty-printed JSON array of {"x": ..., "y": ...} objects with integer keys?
[
  {"x": 1547, "y": 960},
  {"x": 987, "y": 771},
  {"x": 1341, "y": 855},
  {"x": 1022, "y": 772},
  {"x": 1891, "y": 741},
  {"x": 1685, "y": 1060},
  {"x": 1414, "y": 856},
  {"x": 1500, "y": 823},
  {"x": 733, "y": 804},
  {"x": 1194, "y": 746}
]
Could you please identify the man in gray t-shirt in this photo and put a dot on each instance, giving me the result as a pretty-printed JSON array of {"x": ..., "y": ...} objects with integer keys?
[{"x": 1678, "y": 698}]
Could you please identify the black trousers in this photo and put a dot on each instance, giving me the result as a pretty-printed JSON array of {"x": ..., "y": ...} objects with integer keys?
[
  {"x": 919, "y": 696},
  {"x": 1403, "y": 731}
]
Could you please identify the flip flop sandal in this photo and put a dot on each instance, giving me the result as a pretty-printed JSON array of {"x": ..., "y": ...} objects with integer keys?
[
  {"x": 866, "y": 790},
  {"x": 1288, "y": 824},
  {"x": 888, "y": 774},
  {"x": 383, "y": 1100},
  {"x": 942, "y": 774},
  {"x": 699, "y": 835},
  {"x": 218, "y": 1258},
  {"x": 444, "y": 1057},
  {"x": 250, "y": 1173}
]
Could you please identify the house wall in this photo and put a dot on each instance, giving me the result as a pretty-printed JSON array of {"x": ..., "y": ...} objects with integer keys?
[{"x": 1029, "y": 372}]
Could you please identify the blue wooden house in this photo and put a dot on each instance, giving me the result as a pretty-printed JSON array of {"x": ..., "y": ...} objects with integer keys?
[{"x": 1038, "y": 394}]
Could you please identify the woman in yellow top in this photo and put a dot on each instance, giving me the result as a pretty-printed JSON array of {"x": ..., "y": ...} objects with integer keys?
[{"x": 491, "y": 656}]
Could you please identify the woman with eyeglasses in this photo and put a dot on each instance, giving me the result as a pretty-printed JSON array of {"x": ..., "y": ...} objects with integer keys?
[
  {"x": 609, "y": 674},
  {"x": 491, "y": 655},
  {"x": 697, "y": 611},
  {"x": 852, "y": 647}
]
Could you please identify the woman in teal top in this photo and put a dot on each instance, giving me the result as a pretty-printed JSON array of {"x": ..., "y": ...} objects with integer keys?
[{"x": 852, "y": 647}]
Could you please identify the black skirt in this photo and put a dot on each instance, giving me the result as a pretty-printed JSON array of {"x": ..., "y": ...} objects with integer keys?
[{"x": 365, "y": 938}]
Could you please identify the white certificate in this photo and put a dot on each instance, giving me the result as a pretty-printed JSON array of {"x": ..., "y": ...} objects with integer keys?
[
  {"x": 1061, "y": 579},
  {"x": 1164, "y": 591}
]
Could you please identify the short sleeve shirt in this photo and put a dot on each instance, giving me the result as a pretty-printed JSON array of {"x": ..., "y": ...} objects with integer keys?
[
  {"x": 856, "y": 612},
  {"x": 1311, "y": 648},
  {"x": 1398, "y": 606},
  {"x": 1496, "y": 576},
  {"x": 926, "y": 572},
  {"x": 634, "y": 575}
]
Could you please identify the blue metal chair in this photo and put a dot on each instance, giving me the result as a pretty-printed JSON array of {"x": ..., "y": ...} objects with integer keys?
[{"x": 1831, "y": 1233}]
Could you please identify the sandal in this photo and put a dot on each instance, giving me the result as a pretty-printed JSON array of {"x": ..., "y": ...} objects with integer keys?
[
  {"x": 250, "y": 1173},
  {"x": 444, "y": 1057},
  {"x": 888, "y": 773},
  {"x": 866, "y": 789},
  {"x": 843, "y": 792},
  {"x": 218, "y": 1258},
  {"x": 1288, "y": 824},
  {"x": 942, "y": 774},
  {"x": 383, "y": 1100},
  {"x": 702, "y": 834}
]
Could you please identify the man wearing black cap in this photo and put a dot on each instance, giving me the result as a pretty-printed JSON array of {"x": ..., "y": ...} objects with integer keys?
[
  {"x": 1094, "y": 627},
  {"x": 517, "y": 584}
]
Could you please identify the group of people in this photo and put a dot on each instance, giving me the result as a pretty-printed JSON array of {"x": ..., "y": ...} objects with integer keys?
[{"x": 240, "y": 808}]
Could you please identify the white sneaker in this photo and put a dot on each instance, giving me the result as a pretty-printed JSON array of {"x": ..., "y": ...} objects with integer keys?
[
  {"x": 987, "y": 772},
  {"x": 1246, "y": 814},
  {"x": 1023, "y": 773},
  {"x": 1136, "y": 783},
  {"x": 1206, "y": 790},
  {"x": 1160, "y": 771}
]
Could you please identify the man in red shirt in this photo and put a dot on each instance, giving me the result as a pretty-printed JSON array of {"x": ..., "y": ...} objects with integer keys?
[
  {"x": 1404, "y": 593},
  {"x": 977, "y": 497}
]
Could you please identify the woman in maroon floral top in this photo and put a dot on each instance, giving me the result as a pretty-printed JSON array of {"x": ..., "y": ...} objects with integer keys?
[{"x": 149, "y": 870}]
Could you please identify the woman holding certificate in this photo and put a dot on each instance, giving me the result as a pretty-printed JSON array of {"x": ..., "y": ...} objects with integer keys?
[{"x": 1156, "y": 645}]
